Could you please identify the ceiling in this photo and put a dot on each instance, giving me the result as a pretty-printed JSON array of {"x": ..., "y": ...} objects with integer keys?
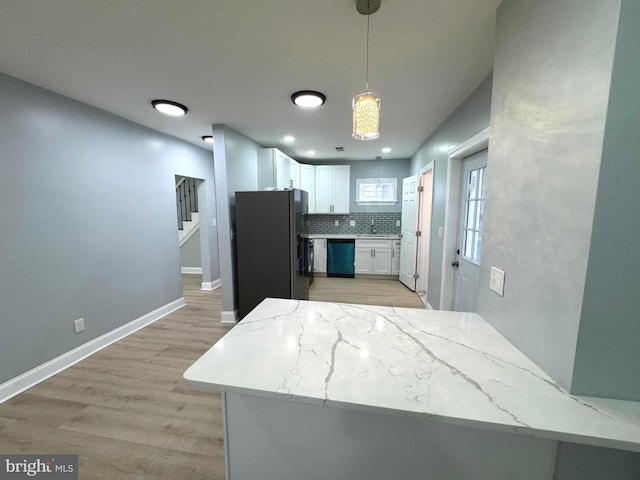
[{"x": 238, "y": 62}]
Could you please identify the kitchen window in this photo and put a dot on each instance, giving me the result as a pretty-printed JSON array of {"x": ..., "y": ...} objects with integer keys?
[{"x": 375, "y": 191}]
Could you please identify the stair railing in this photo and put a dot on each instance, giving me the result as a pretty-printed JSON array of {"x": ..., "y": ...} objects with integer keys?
[{"x": 186, "y": 199}]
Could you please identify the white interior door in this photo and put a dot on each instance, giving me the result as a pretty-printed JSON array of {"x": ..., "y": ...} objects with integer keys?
[
  {"x": 469, "y": 248},
  {"x": 424, "y": 240},
  {"x": 409, "y": 221}
]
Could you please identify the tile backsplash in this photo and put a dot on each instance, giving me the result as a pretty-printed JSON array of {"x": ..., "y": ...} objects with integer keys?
[{"x": 382, "y": 222}]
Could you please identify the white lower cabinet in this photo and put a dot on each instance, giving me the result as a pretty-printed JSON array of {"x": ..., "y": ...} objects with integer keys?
[
  {"x": 376, "y": 257},
  {"x": 363, "y": 260},
  {"x": 320, "y": 255},
  {"x": 395, "y": 257},
  {"x": 395, "y": 261}
]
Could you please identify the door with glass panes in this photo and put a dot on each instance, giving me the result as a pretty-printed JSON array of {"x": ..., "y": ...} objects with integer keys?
[{"x": 469, "y": 247}]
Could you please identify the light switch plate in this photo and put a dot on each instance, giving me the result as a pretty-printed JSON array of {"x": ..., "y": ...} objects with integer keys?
[
  {"x": 352, "y": 223},
  {"x": 78, "y": 325},
  {"x": 496, "y": 281},
  {"x": 440, "y": 232}
]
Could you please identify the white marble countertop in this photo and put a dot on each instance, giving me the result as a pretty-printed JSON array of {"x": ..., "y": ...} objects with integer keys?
[
  {"x": 377, "y": 236},
  {"x": 439, "y": 366}
]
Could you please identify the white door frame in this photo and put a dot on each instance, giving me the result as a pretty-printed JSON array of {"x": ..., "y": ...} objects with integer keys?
[
  {"x": 478, "y": 142},
  {"x": 423, "y": 273}
]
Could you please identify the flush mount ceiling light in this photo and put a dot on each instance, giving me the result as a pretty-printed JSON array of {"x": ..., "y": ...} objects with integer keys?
[
  {"x": 386, "y": 150},
  {"x": 207, "y": 138},
  {"x": 308, "y": 99},
  {"x": 289, "y": 138},
  {"x": 168, "y": 107},
  {"x": 311, "y": 153},
  {"x": 366, "y": 106}
]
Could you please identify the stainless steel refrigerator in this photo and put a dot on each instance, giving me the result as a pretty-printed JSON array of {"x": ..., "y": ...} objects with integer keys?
[{"x": 271, "y": 251}]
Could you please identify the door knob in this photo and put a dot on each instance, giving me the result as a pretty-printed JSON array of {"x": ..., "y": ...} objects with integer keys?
[{"x": 455, "y": 264}]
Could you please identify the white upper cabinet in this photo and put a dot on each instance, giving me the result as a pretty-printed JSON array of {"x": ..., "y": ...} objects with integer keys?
[
  {"x": 282, "y": 171},
  {"x": 277, "y": 170},
  {"x": 308, "y": 184},
  {"x": 342, "y": 182},
  {"x": 295, "y": 173},
  {"x": 332, "y": 188}
]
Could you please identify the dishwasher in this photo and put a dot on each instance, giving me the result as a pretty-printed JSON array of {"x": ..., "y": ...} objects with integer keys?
[{"x": 340, "y": 257}]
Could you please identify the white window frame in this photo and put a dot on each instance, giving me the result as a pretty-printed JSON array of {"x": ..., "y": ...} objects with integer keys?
[{"x": 361, "y": 183}]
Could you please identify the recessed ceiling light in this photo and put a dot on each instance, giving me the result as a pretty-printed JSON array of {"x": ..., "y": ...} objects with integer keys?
[
  {"x": 311, "y": 153},
  {"x": 289, "y": 138},
  {"x": 207, "y": 138},
  {"x": 308, "y": 99},
  {"x": 168, "y": 107},
  {"x": 386, "y": 150}
]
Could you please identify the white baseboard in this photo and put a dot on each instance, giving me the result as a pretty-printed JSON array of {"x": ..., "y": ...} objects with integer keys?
[
  {"x": 23, "y": 382},
  {"x": 191, "y": 270},
  {"x": 211, "y": 285},
  {"x": 229, "y": 317}
]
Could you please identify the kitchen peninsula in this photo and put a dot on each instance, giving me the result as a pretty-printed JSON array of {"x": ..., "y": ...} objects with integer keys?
[{"x": 322, "y": 390}]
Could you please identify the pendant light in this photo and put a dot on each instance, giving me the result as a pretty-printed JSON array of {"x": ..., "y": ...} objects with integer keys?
[{"x": 366, "y": 106}]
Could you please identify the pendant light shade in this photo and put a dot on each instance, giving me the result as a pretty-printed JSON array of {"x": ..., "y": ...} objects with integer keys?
[{"x": 366, "y": 116}]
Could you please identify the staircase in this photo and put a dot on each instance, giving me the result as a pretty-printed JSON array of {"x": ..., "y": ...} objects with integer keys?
[{"x": 187, "y": 208}]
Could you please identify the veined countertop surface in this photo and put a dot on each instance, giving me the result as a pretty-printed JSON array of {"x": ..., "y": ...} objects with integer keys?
[
  {"x": 440, "y": 366},
  {"x": 356, "y": 236}
]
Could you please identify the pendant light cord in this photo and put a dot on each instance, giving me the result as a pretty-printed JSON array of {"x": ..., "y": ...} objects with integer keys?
[{"x": 366, "y": 81}]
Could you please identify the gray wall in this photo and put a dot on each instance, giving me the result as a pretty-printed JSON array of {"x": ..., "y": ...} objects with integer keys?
[
  {"x": 190, "y": 251},
  {"x": 607, "y": 359},
  {"x": 470, "y": 118},
  {"x": 236, "y": 166},
  {"x": 551, "y": 81},
  {"x": 384, "y": 168},
  {"x": 89, "y": 222}
]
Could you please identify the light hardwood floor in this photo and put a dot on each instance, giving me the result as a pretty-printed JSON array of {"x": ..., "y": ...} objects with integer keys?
[
  {"x": 126, "y": 411},
  {"x": 390, "y": 293}
]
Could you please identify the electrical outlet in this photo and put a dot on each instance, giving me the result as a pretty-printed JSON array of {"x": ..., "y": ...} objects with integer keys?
[
  {"x": 337, "y": 223},
  {"x": 352, "y": 223},
  {"x": 78, "y": 325},
  {"x": 214, "y": 222},
  {"x": 397, "y": 223},
  {"x": 496, "y": 281},
  {"x": 440, "y": 232}
]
